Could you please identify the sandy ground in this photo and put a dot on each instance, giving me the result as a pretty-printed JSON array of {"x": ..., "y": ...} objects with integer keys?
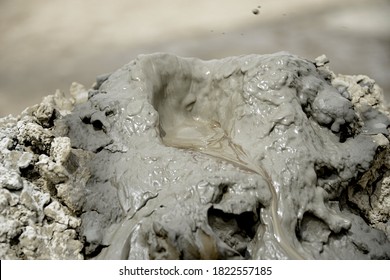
[{"x": 48, "y": 44}]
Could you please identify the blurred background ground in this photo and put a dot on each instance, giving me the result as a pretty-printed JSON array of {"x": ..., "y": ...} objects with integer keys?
[{"x": 48, "y": 44}]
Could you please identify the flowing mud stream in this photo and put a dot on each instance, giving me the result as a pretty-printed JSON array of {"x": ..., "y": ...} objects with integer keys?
[
  {"x": 196, "y": 113},
  {"x": 211, "y": 139}
]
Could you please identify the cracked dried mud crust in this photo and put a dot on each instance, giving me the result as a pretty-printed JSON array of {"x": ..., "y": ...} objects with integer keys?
[{"x": 250, "y": 157}]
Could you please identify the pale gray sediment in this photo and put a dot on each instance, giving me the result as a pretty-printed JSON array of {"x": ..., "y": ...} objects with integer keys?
[{"x": 250, "y": 157}]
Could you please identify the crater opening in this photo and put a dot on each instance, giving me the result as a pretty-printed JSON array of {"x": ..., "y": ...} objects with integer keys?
[{"x": 194, "y": 107}]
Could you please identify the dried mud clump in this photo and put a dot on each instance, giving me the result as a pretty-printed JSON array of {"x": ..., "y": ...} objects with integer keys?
[
  {"x": 250, "y": 157},
  {"x": 41, "y": 185}
]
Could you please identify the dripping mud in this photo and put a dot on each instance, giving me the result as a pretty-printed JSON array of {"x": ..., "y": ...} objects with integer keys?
[{"x": 250, "y": 157}]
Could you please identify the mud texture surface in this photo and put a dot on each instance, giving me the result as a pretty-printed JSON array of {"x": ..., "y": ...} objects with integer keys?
[{"x": 249, "y": 157}]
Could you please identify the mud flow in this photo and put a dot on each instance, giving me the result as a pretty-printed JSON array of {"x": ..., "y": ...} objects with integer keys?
[{"x": 195, "y": 113}]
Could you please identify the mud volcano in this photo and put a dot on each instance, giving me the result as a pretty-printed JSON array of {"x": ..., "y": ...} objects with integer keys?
[{"x": 250, "y": 157}]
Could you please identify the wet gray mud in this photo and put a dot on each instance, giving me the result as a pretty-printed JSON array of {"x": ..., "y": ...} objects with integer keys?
[{"x": 250, "y": 157}]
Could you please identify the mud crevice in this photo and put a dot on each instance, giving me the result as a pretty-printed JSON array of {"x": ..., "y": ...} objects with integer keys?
[
  {"x": 92, "y": 253},
  {"x": 234, "y": 230},
  {"x": 222, "y": 190},
  {"x": 325, "y": 172}
]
